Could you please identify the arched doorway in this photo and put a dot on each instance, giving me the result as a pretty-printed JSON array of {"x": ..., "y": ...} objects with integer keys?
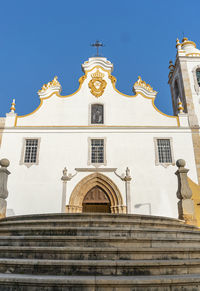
[
  {"x": 109, "y": 188},
  {"x": 96, "y": 200}
]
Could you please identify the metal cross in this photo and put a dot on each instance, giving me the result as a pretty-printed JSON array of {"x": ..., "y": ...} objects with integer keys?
[{"x": 97, "y": 44}]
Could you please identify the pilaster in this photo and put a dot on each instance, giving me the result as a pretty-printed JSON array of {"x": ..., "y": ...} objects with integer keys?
[{"x": 192, "y": 118}]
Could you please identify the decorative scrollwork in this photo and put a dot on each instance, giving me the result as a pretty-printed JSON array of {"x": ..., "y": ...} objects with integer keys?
[
  {"x": 143, "y": 84},
  {"x": 97, "y": 84},
  {"x": 53, "y": 83}
]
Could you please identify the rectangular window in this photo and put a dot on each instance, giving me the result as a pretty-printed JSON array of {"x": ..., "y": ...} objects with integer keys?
[
  {"x": 31, "y": 148},
  {"x": 164, "y": 151},
  {"x": 97, "y": 151}
]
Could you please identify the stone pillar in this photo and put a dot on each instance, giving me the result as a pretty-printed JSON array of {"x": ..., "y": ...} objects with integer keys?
[
  {"x": 65, "y": 178},
  {"x": 127, "y": 180},
  {"x": 4, "y": 163},
  {"x": 184, "y": 193}
]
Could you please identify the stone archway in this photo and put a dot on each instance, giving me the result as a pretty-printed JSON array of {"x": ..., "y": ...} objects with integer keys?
[{"x": 88, "y": 183}]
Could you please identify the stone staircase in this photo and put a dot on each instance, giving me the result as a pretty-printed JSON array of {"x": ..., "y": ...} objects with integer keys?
[{"x": 98, "y": 252}]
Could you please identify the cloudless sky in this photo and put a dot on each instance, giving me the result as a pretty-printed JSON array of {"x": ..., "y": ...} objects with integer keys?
[{"x": 41, "y": 39}]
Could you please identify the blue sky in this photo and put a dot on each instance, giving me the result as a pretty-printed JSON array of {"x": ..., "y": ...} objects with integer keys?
[{"x": 41, "y": 39}]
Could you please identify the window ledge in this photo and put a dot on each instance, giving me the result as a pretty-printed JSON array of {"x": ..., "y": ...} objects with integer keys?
[{"x": 165, "y": 165}]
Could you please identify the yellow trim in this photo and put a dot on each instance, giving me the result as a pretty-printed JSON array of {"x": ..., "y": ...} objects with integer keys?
[
  {"x": 95, "y": 126},
  {"x": 196, "y": 198},
  {"x": 81, "y": 80},
  {"x": 113, "y": 81},
  {"x": 188, "y": 42},
  {"x": 193, "y": 54}
]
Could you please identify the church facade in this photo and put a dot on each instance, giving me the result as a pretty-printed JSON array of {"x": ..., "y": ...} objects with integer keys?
[{"x": 99, "y": 150}]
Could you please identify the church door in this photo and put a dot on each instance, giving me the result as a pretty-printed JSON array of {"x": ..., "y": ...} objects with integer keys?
[{"x": 97, "y": 201}]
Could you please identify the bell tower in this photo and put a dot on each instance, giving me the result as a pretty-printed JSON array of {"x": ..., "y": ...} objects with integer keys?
[{"x": 184, "y": 81}]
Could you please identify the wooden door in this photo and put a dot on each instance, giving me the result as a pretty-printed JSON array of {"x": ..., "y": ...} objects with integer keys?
[{"x": 96, "y": 201}]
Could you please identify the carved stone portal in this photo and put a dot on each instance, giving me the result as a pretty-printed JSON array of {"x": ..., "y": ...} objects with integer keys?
[{"x": 96, "y": 189}]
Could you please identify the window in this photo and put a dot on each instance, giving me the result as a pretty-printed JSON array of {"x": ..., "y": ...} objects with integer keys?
[
  {"x": 97, "y": 151},
  {"x": 164, "y": 153},
  {"x": 30, "y": 151},
  {"x": 97, "y": 116},
  {"x": 176, "y": 89},
  {"x": 198, "y": 77}
]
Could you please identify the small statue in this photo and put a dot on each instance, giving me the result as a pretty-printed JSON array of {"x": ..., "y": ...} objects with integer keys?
[
  {"x": 127, "y": 172},
  {"x": 65, "y": 172}
]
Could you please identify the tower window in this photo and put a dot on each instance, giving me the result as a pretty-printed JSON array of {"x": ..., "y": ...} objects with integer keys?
[
  {"x": 97, "y": 151},
  {"x": 97, "y": 114},
  {"x": 198, "y": 77},
  {"x": 176, "y": 89},
  {"x": 164, "y": 151},
  {"x": 31, "y": 151}
]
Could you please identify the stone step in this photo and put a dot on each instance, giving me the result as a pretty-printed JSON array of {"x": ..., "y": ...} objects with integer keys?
[
  {"x": 13, "y": 282},
  {"x": 93, "y": 216},
  {"x": 96, "y": 241},
  {"x": 100, "y": 267},
  {"x": 87, "y": 222},
  {"x": 104, "y": 253},
  {"x": 98, "y": 252},
  {"x": 99, "y": 231}
]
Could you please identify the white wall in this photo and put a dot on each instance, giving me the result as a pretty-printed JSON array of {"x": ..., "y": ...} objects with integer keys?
[
  {"x": 38, "y": 189},
  {"x": 131, "y": 123}
]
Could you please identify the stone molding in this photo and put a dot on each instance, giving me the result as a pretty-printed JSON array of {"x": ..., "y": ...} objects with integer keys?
[
  {"x": 86, "y": 184},
  {"x": 95, "y": 169},
  {"x": 196, "y": 86}
]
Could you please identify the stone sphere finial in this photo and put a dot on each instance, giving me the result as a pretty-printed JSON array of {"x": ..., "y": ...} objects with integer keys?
[
  {"x": 180, "y": 163},
  {"x": 4, "y": 163}
]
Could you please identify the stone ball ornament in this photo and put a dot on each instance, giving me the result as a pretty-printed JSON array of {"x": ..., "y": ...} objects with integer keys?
[
  {"x": 4, "y": 163},
  {"x": 180, "y": 163}
]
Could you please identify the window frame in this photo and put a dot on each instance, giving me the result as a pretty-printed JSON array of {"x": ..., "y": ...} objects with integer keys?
[
  {"x": 28, "y": 165},
  {"x": 196, "y": 85},
  {"x": 157, "y": 162},
  {"x": 90, "y": 152},
  {"x": 90, "y": 114}
]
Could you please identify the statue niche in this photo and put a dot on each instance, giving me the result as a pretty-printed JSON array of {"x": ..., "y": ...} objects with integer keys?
[{"x": 97, "y": 114}]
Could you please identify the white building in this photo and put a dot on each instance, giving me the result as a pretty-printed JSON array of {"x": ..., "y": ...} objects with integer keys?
[{"x": 120, "y": 150}]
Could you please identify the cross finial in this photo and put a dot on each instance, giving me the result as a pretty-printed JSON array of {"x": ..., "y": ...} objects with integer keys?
[{"x": 97, "y": 44}]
